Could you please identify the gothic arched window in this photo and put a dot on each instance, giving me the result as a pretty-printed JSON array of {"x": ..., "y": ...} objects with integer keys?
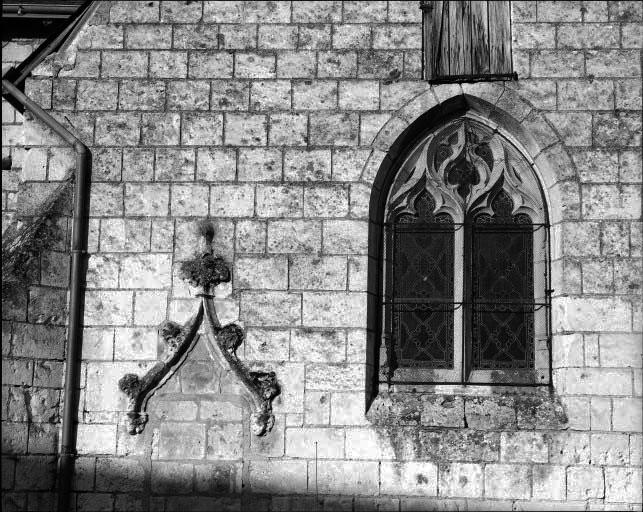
[{"x": 465, "y": 264}]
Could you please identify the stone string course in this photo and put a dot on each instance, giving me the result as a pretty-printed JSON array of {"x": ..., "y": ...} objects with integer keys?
[{"x": 272, "y": 119}]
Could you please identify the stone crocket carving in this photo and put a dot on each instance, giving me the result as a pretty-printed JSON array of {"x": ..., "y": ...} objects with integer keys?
[{"x": 205, "y": 272}]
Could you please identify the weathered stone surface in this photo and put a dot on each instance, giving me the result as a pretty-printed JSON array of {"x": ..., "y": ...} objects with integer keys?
[
  {"x": 442, "y": 411},
  {"x": 490, "y": 413}
]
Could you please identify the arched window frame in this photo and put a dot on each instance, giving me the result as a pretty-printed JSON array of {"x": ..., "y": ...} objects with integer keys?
[{"x": 512, "y": 171}]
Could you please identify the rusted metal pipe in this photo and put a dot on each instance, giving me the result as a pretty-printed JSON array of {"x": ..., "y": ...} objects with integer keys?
[{"x": 80, "y": 224}]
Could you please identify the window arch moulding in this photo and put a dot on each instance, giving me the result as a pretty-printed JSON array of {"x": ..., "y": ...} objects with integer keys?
[{"x": 461, "y": 188}]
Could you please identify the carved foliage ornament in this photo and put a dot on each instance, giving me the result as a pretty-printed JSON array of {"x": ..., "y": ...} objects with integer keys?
[
  {"x": 222, "y": 342},
  {"x": 464, "y": 166}
]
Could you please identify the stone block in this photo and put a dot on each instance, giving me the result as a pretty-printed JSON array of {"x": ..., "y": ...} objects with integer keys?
[
  {"x": 117, "y": 129},
  {"x": 237, "y": 36},
  {"x": 569, "y": 448},
  {"x": 323, "y": 443},
  {"x": 232, "y": 200},
  {"x": 120, "y": 475},
  {"x": 523, "y": 447},
  {"x": 202, "y": 129},
  {"x": 278, "y": 476},
  {"x": 345, "y": 237},
  {"x": 627, "y": 414},
  {"x": 181, "y": 13},
  {"x": 161, "y": 129},
  {"x": 329, "y": 201},
  {"x": 337, "y": 64},
  {"x": 124, "y": 64},
  {"x": 17, "y": 372},
  {"x": 590, "y": 314},
  {"x": 549, "y": 482},
  {"x": 225, "y": 441},
  {"x": 622, "y": 485},
  {"x": 534, "y": 36},
  {"x": 617, "y": 129},
  {"x": 442, "y": 411},
  {"x": 210, "y": 64},
  {"x": 490, "y": 413},
  {"x": 334, "y": 129},
  {"x": 267, "y": 345},
  {"x": 585, "y": 95},
  {"x": 507, "y": 481},
  {"x": 281, "y": 37},
  {"x": 146, "y": 199},
  {"x": 245, "y": 130},
  {"x": 149, "y": 307},
  {"x": 279, "y": 201},
  {"x": 270, "y": 95},
  {"x": 254, "y": 65},
  {"x": 351, "y": 36},
  {"x": 317, "y": 408},
  {"x": 577, "y": 35},
  {"x": 327, "y": 346},
  {"x": 171, "y": 478},
  {"x": 146, "y": 271},
  {"x": 14, "y": 435},
  {"x": 93, "y": 95},
  {"x": 108, "y": 307},
  {"x": 402, "y": 36},
  {"x": 135, "y": 343},
  {"x": 584, "y": 482},
  {"x": 610, "y": 449},
  {"x": 251, "y": 236},
  {"x": 359, "y": 95},
  {"x": 215, "y": 164},
  {"x": 271, "y": 308},
  {"x": 409, "y": 478},
  {"x": 317, "y": 12},
  {"x": 181, "y": 441},
  {"x": 600, "y": 413},
  {"x": 335, "y": 377},
  {"x": 317, "y": 273},
  {"x": 334, "y": 309},
  {"x": 138, "y": 165},
  {"x": 577, "y": 381},
  {"x": 300, "y": 64},
  {"x": 610, "y": 63},
  {"x": 195, "y": 36},
  {"x": 294, "y": 236},
  {"x": 345, "y": 477},
  {"x": 36, "y": 473},
  {"x": 460, "y": 480},
  {"x": 217, "y": 478},
  {"x": 620, "y": 350},
  {"x": 288, "y": 129},
  {"x": 261, "y": 273},
  {"x": 369, "y": 443},
  {"x": 230, "y": 95},
  {"x": 95, "y": 439},
  {"x": 188, "y": 95},
  {"x": 449, "y": 445},
  {"x": 348, "y": 163},
  {"x": 307, "y": 165}
]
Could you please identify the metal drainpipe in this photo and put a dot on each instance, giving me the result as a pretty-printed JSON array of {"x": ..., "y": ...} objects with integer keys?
[{"x": 80, "y": 224}]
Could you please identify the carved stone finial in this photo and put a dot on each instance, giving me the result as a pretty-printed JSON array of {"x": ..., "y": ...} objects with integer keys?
[{"x": 205, "y": 272}]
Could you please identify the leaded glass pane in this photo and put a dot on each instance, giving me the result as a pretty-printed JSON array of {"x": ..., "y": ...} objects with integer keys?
[
  {"x": 423, "y": 248},
  {"x": 503, "y": 289}
]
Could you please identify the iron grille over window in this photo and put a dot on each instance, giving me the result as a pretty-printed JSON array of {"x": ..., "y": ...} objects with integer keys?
[
  {"x": 466, "y": 41},
  {"x": 466, "y": 263}
]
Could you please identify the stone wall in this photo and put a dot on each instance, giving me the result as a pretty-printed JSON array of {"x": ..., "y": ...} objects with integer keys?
[
  {"x": 33, "y": 311},
  {"x": 272, "y": 119}
]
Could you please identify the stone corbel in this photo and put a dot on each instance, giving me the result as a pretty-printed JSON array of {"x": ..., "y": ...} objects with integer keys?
[{"x": 222, "y": 342}]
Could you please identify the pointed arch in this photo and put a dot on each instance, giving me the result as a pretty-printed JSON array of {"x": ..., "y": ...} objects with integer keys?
[{"x": 517, "y": 165}]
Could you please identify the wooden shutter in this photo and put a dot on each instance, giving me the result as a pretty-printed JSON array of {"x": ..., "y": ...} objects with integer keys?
[{"x": 467, "y": 41}]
